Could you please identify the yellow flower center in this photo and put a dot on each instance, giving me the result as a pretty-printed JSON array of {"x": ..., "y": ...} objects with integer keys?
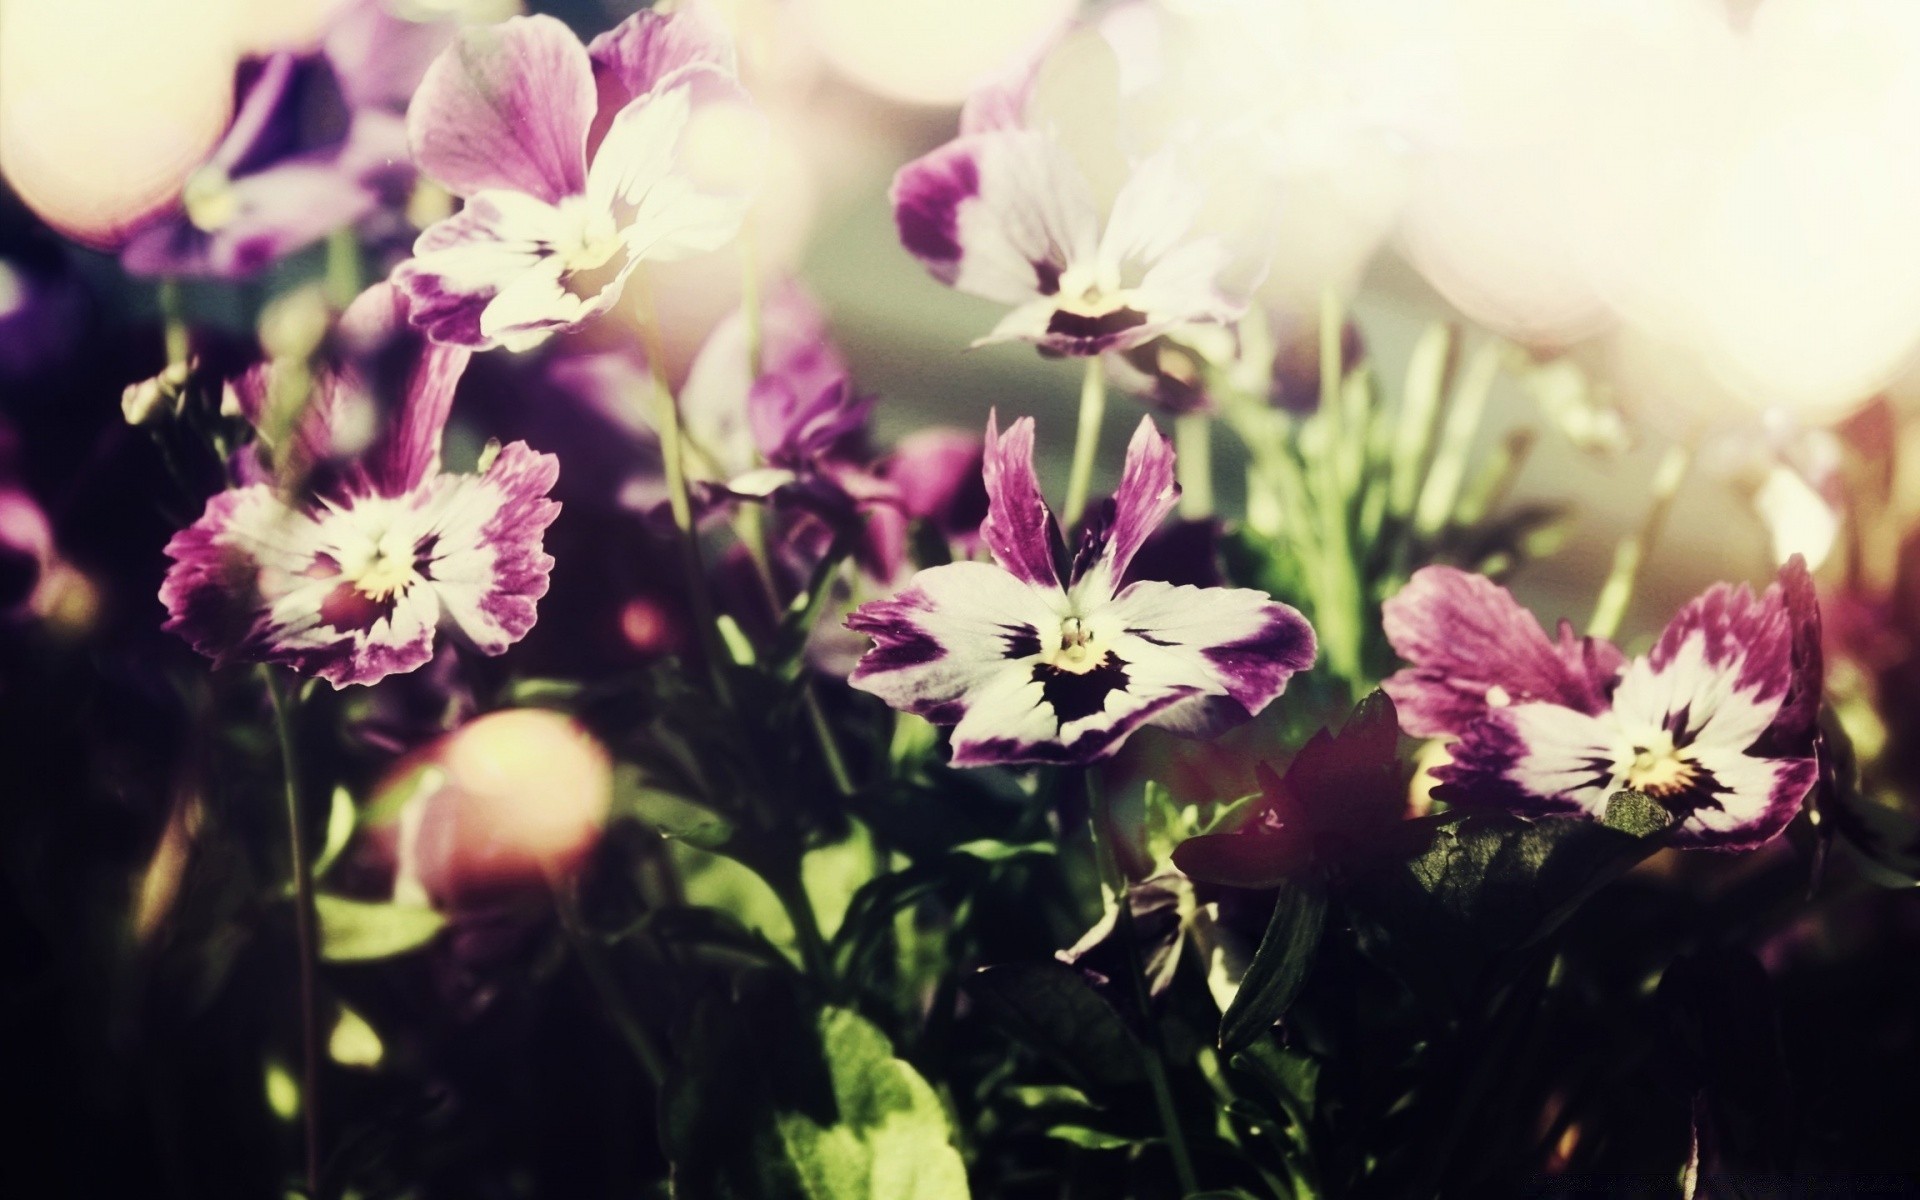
[
  {"x": 1079, "y": 650},
  {"x": 1660, "y": 769},
  {"x": 208, "y": 199}
]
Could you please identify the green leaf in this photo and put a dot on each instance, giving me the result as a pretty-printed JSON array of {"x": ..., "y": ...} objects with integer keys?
[
  {"x": 339, "y": 830},
  {"x": 670, "y": 815},
  {"x": 360, "y": 930},
  {"x": 1279, "y": 966},
  {"x": 1051, "y": 1008},
  {"x": 771, "y": 1101},
  {"x": 1635, "y": 813},
  {"x": 1091, "y": 1139},
  {"x": 990, "y": 850}
]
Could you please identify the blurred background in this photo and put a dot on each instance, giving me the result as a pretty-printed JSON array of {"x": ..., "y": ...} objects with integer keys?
[{"x": 1689, "y": 221}]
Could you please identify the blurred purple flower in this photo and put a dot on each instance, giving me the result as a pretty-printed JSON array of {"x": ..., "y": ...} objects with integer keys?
[
  {"x": 1717, "y": 722},
  {"x": 349, "y": 576},
  {"x": 574, "y": 163},
  {"x": 317, "y": 143},
  {"x": 1010, "y": 211},
  {"x": 1042, "y": 658}
]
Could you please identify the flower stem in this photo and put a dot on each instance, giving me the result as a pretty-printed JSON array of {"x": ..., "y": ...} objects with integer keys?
[
  {"x": 586, "y": 947},
  {"x": 788, "y": 885},
  {"x": 173, "y": 322},
  {"x": 1193, "y": 464},
  {"x": 343, "y": 266},
  {"x": 667, "y": 420},
  {"x": 1113, "y": 882},
  {"x": 303, "y": 925},
  {"x": 1086, "y": 442},
  {"x": 1631, "y": 553}
]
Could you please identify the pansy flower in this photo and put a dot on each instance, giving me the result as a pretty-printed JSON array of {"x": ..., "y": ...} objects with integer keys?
[
  {"x": 1095, "y": 245},
  {"x": 317, "y": 142},
  {"x": 1716, "y": 722},
  {"x": 1042, "y": 657},
  {"x": 349, "y": 576},
  {"x": 576, "y": 163}
]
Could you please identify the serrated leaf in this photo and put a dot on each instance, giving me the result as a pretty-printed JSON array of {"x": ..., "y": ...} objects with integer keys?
[
  {"x": 360, "y": 930},
  {"x": 1279, "y": 967}
]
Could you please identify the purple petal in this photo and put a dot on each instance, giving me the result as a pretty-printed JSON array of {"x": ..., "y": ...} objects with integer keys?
[
  {"x": 506, "y": 106},
  {"x": 1000, "y": 215},
  {"x": 268, "y": 216},
  {"x": 1465, "y": 636},
  {"x": 649, "y": 48},
  {"x": 937, "y": 474},
  {"x": 500, "y": 243},
  {"x": 1147, "y": 493},
  {"x": 1019, "y": 529},
  {"x": 1235, "y": 647},
  {"x": 1534, "y": 760},
  {"x": 489, "y": 582},
  {"x": 381, "y": 57}
]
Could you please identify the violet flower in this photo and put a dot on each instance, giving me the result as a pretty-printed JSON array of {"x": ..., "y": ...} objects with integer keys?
[
  {"x": 1010, "y": 212},
  {"x": 1716, "y": 722},
  {"x": 576, "y": 165},
  {"x": 350, "y": 577},
  {"x": 1041, "y": 658},
  {"x": 317, "y": 143}
]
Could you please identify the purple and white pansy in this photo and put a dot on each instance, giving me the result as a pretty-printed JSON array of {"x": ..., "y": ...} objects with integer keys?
[
  {"x": 1042, "y": 657},
  {"x": 577, "y": 163},
  {"x": 1096, "y": 247},
  {"x": 1717, "y": 722},
  {"x": 349, "y": 573}
]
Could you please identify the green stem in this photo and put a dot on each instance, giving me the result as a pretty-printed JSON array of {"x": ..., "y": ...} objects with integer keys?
[
  {"x": 343, "y": 266},
  {"x": 667, "y": 420},
  {"x": 173, "y": 322},
  {"x": 1099, "y": 816},
  {"x": 829, "y": 743},
  {"x": 1441, "y": 491},
  {"x": 304, "y": 929},
  {"x": 1631, "y": 553},
  {"x": 1193, "y": 464},
  {"x": 791, "y": 890},
  {"x": 586, "y": 947},
  {"x": 1086, "y": 443},
  {"x": 750, "y": 295}
]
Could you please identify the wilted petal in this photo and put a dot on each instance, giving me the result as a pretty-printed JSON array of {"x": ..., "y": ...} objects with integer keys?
[
  {"x": 1019, "y": 529},
  {"x": 507, "y": 107},
  {"x": 999, "y": 215},
  {"x": 1472, "y": 646}
]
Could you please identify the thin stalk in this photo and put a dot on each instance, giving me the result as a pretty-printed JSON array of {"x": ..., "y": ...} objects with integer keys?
[
  {"x": 1631, "y": 553},
  {"x": 305, "y": 937},
  {"x": 1193, "y": 464},
  {"x": 173, "y": 322},
  {"x": 667, "y": 421},
  {"x": 750, "y": 316},
  {"x": 344, "y": 279},
  {"x": 1154, "y": 1060},
  {"x": 1427, "y": 374},
  {"x": 1086, "y": 442},
  {"x": 791, "y": 890},
  {"x": 830, "y": 750},
  {"x": 1441, "y": 491},
  {"x": 586, "y": 948}
]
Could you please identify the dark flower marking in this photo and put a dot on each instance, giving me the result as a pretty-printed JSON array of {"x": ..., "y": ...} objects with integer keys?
[
  {"x": 1023, "y": 641},
  {"x": 1095, "y": 327},
  {"x": 1073, "y": 695}
]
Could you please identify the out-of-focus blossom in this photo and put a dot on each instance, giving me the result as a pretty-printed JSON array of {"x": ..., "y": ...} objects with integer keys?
[
  {"x": 932, "y": 51},
  {"x": 26, "y": 536},
  {"x": 1042, "y": 657},
  {"x": 577, "y": 163},
  {"x": 1096, "y": 244},
  {"x": 98, "y": 129},
  {"x": 42, "y": 313},
  {"x": 316, "y": 143},
  {"x": 493, "y": 811},
  {"x": 1716, "y": 723},
  {"x": 349, "y": 576},
  {"x": 1342, "y": 799}
]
